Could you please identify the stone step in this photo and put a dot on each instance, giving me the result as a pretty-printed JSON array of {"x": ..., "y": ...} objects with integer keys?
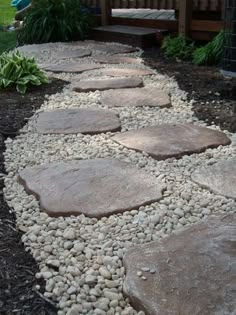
[
  {"x": 95, "y": 188},
  {"x": 135, "y": 36}
]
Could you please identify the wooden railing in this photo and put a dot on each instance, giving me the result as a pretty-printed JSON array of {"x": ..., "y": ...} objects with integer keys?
[{"x": 198, "y": 5}]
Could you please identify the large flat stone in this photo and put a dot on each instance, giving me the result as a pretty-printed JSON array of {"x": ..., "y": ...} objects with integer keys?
[
  {"x": 192, "y": 272},
  {"x": 69, "y": 121},
  {"x": 78, "y": 53},
  {"x": 147, "y": 96},
  {"x": 219, "y": 178},
  {"x": 95, "y": 188},
  {"x": 166, "y": 141},
  {"x": 72, "y": 67},
  {"x": 101, "y": 85},
  {"x": 126, "y": 72},
  {"x": 117, "y": 59}
]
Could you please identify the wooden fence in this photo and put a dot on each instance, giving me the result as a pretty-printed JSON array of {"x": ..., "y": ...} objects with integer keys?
[
  {"x": 198, "y": 5},
  {"x": 186, "y": 24}
]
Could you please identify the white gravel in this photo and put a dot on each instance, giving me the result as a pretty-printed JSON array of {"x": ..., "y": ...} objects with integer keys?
[{"x": 80, "y": 257}]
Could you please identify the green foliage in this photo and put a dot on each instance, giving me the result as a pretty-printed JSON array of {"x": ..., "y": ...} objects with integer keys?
[
  {"x": 17, "y": 70},
  {"x": 177, "y": 47},
  {"x": 211, "y": 53},
  {"x": 55, "y": 20},
  {"x": 7, "y": 40}
]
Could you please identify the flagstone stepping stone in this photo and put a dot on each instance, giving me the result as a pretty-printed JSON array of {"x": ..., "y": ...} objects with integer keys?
[
  {"x": 101, "y": 85},
  {"x": 166, "y": 141},
  {"x": 192, "y": 272},
  {"x": 67, "y": 121},
  {"x": 95, "y": 188},
  {"x": 147, "y": 96},
  {"x": 219, "y": 178},
  {"x": 117, "y": 72},
  {"x": 117, "y": 59},
  {"x": 113, "y": 49},
  {"x": 79, "y": 53},
  {"x": 72, "y": 67}
]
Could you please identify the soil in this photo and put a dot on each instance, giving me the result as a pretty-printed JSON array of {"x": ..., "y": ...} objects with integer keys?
[
  {"x": 214, "y": 94},
  {"x": 18, "y": 293}
]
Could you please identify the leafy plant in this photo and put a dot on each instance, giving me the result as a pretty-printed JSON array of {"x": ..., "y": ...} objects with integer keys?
[
  {"x": 17, "y": 70},
  {"x": 178, "y": 47},
  {"x": 211, "y": 53},
  {"x": 55, "y": 20}
]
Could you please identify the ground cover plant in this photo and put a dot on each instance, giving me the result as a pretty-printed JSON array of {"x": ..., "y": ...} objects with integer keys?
[
  {"x": 19, "y": 71},
  {"x": 53, "y": 21},
  {"x": 181, "y": 48},
  {"x": 7, "y": 39}
]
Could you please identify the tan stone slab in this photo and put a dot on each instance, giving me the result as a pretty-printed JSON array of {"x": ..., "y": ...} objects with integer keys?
[
  {"x": 78, "y": 53},
  {"x": 70, "y": 121},
  {"x": 118, "y": 72},
  {"x": 147, "y": 96},
  {"x": 101, "y": 85},
  {"x": 72, "y": 67},
  {"x": 95, "y": 188},
  {"x": 219, "y": 178},
  {"x": 167, "y": 141},
  {"x": 192, "y": 272},
  {"x": 117, "y": 60}
]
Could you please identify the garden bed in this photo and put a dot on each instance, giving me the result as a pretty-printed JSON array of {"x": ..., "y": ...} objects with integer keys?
[
  {"x": 214, "y": 95},
  {"x": 18, "y": 285}
]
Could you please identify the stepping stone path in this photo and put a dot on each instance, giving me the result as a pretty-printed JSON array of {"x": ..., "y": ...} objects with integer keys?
[
  {"x": 79, "y": 53},
  {"x": 147, "y": 96},
  {"x": 192, "y": 272},
  {"x": 219, "y": 178},
  {"x": 95, "y": 188},
  {"x": 101, "y": 85},
  {"x": 118, "y": 72},
  {"x": 166, "y": 141},
  {"x": 69, "y": 121},
  {"x": 117, "y": 60},
  {"x": 71, "y": 68}
]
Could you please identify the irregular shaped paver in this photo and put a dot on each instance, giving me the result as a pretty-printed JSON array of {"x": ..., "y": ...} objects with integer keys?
[
  {"x": 95, "y": 188},
  {"x": 79, "y": 53},
  {"x": 101, "y": 85},
  {"x": 192, "y": 272},
  {"x": 67, "y": 121},
  {"x": 147, "y": 96},
  {"x": 166, "y": 141},
  {"x": 71, "y": 67},
  {"x": 219, "y": 178},
  {"x": 113, "y": 48},
  {"x": 117, "y": 59},
  {"x": 118, "y": 72}
]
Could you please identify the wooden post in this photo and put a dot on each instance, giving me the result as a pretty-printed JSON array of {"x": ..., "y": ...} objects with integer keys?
[
  {"x": 106, "y": 11},
  {"x": 185, "y": 17}
]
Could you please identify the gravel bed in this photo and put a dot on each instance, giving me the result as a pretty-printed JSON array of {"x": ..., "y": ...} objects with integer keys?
[{"x": 80, "y": 257}]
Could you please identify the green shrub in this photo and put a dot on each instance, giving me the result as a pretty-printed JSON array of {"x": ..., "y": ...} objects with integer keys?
[
  {"x": 17, "y": 70},
  {"x": 54, "y": 21},
  {"x": 178, "y": 47},
  {"x": 211, "y": 53}
]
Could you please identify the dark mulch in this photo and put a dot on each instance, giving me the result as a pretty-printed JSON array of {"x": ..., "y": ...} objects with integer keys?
[
  {"x": 18, "y": 295},
  {"x": 215, "y": 95}
]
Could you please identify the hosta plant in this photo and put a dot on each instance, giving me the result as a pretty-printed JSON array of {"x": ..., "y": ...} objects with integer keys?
[
  {"x": 19, "y": 71},
  {"x": 178, "y": 47}
]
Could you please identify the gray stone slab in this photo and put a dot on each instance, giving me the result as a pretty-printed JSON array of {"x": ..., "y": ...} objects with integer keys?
[
  {"x": 117, "y": 59},
  {"x": 72, "y": 67},
  {"x": 193, "y": 272},
  {"x": 101, "y": 85},
  {"x": 95, "y": 188},
  {"x": 78, "y": 53},
  {"x": 147, "y": 96},
  {"x": 69, "y": 121},
  {"x": 126, "y": 72},
  {"x": 167, "y": 141},
  {"x": 219, "y": 178}
]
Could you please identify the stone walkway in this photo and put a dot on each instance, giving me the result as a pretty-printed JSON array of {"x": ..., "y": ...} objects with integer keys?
[{"x": 119, "y": 162}]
